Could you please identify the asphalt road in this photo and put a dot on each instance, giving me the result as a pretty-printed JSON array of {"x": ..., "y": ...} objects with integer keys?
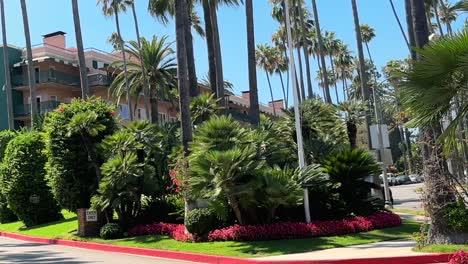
[
  {"x": 405, "y": 196},
  {"x": 15, "y": 251}
]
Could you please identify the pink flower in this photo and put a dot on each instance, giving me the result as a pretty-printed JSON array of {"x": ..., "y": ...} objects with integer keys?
[
  {"x": 111, "y": 113},
  {"x": 60, "y": 110},
  {"x": 461, "y": 257},
  {"x": 172, "y": 174}
]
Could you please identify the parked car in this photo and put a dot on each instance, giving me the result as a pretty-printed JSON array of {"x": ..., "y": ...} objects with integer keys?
[
  {"x": 392, "y": 181},
  {"x": 415, "y": 178},
  {"x": 403, "y": 179}
]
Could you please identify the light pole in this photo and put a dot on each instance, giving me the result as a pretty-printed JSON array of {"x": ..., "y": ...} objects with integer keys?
[
  {"x": 297, "y": 116},
  {"x": 378, "y": 116}
]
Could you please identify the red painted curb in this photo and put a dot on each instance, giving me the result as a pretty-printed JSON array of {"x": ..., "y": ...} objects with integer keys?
[{"x": 213, "y": 259}]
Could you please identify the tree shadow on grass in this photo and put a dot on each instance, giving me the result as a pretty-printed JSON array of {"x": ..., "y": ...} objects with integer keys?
[{"x": 24, "y": 228}]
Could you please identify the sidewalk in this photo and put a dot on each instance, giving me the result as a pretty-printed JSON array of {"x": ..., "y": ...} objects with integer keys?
[{"x": 395, "y": 248}]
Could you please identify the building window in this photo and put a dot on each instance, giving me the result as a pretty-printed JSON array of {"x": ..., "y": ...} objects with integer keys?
[
  {"x": 172, "y": 119},
  {"x": 141, "y": 114},
  {"x": 95, "y": 64},
  {"x": 162, "y": 118},
  {"x": 53, "y": 98},
  {"x": 52, "y": 73},
  {"x": 36, "y": 73},
  {"x": 124, "y": 112}
]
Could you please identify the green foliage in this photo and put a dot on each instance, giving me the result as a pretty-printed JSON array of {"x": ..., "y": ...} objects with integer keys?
[
  {"x": 72, "y": 133},
  {"x": 23, "y": 182},
  {"x": 111, "y": 231},
  {"x": 166, "y": 209},
  {"x": 201, "y": 221},
  {"x": 129, "y": 171},
  {"x": 323, "y": 129},
  {"x": 5, "y": 137},
  {"x": 6, "y": 214},
  {"x": 457, "y": 215},
  {"x": 203, "y": 107},
  {"x": 349, "y": 169}
]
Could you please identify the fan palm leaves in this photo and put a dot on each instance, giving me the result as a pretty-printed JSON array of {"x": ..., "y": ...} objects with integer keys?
[{"x": 159, "y": 63}]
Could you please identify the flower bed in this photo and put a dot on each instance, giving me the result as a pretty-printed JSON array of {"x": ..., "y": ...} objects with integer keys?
[
  {"x": 461, "y": 257},
  {"x": 285, "y": 230}
]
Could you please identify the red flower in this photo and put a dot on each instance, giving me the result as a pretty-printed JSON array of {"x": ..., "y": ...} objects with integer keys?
[
  {"x": 461, "y": 257},
  {"x": 172, "y": 174},
  {"x": 60, "y": 110},
  {"x": 111, "y": 113}
]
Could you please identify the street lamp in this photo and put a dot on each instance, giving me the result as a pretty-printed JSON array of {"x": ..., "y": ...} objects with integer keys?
[{"x": 297, "y": 116}]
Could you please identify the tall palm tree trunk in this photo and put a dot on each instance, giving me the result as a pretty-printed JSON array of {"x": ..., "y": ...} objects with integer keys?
[
  {"x": 410, "y": 25},
  {"x": 192, "y": 73},
  {"x": 400, "y": 26},
  {"x": 181, "y": 13},
  {"x": 284, "y": 90},
  {"x": 154, "y": 104},
  {"x": 210, "y": 48},
  {"x": 436, "y": 12},
  {"x": 326, "y": 88},
  {"x": 32, "y": 76},
  {"x": 271, "y": 92},
  {"x": 146, "y": 89},
  {"x": 124, "y": 57},
  {"x": 301, "y": 73},
  {"x": 334, "y": 76},
  {"x": 218, "y": 56},
  {"x": 362, "y": 69},
  {"x": 6, "y": 63},
  {"x": 254, "y": 110},
  {"x": 80, "y": 50},
  {"x": 305, "y": 50},
  {"x": 447, "y": 23}
]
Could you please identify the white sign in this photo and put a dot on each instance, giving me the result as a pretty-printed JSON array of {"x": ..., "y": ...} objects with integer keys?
[
  {"x": 374, "y": 131},
  {"x": 91, "y": 216}
]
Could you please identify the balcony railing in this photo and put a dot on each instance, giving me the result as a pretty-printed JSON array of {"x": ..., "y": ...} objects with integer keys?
[
  {"x": 47, "y": 77},
  {"x": 42, "y": 108},
  {"x": 99, "y": 80}
]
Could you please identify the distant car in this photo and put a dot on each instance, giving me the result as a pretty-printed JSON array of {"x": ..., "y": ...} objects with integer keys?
[
  {"x": 415, "y": 178},
  {"x": 391, "y": 179},
  {"x": 403, "y": 179}
]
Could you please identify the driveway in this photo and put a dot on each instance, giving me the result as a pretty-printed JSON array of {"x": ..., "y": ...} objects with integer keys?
[
  {"x": 15, "y": 251},
  {"x": 405, "y": 196}
]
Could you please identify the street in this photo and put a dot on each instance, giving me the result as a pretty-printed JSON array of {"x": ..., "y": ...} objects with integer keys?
[
  {"x": 405, "y": 196},
  {"x": 15, "y": 251}
]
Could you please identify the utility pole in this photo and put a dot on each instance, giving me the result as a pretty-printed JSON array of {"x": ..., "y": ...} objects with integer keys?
[{"x": 297, "y": 115}]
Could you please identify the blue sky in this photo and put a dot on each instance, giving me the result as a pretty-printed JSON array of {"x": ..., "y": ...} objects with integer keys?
[{"x": 336, "y": 15}]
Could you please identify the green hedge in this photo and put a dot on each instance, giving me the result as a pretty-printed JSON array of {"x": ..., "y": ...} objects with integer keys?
[
  {"x": 23, "y": 183},
  {"x": 72, "y": 133}
]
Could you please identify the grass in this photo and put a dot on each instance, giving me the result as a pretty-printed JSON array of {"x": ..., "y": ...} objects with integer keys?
[
  {"x": 64, "y": 229},
  {"x": 409, "y": 211},
  {"x": 442, "y": 248}
]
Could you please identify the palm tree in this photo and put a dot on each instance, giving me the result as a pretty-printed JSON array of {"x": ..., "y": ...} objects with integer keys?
[
  {"x": 253, "y": 90},
  {"x": 332, "y": 80},
  {"x": 80, "y": 50},
  {"x": 6, "y": 64},
  {"x": 266, "y": 59},
  {"x": 304, "y": 16},
  {"x": 400, "y": 26},
  {"x": 410, "y": 25},
  {"x": 321, "y": 51},
  {"x": 355, "y": 112},
  {"x": 181, "y": 17},
  {"x": 159, "y": 71},
  {"x": 32, "y": 76},
  {"x": 146, "y": 95},
  {"x": 162, "y": 9},
  {"x": 368, "y": 34},
  {"x": 362, "y": 67},
  {"x": 449, "y": 13},
  {"x": 344, "y": 64},
  {"x": 331, "y": 46},
  {"x": 282, "y": 66},
  {"x": 113, "y": 8},
  {"x": 428, "y": 95}
]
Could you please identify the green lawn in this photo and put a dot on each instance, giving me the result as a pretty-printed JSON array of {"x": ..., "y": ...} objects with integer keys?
[
  {"x": 65, "y": 229},
  {"x": 442, "y": 248},
  {"x": 409, "y": 211}
]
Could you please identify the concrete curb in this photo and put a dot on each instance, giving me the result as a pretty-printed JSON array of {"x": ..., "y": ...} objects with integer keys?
[{"x": 213, "y": 259}]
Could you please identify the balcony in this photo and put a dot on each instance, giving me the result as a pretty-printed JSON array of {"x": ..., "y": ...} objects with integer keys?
[
  {"x": 99, "y": 80},
  {"x": 43, "y": 77},
  {"x": 24, "y": 110}
]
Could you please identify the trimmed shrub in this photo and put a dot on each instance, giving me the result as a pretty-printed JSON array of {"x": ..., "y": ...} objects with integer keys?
[
  {"x": 5, "y": 137},
  {"x": 284, "y": 230},
  {"x": 111, "y": 231},
  {"x": 24, "y": 185},
  {"x": 201, "y": 221},
  {"x": 457, "y": 215},
  {"x": 6, "y": 214},
  {"x": 72, "y": 133}
]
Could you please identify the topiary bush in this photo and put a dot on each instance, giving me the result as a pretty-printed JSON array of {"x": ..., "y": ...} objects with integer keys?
[
  {"x": 23, "y": 183},
  {"x": 201, "y": 221},
  {"x": 6, "y": 215},
  {"x": 111, "y": 231},
  {"x": 457, "y": 215},
  {"x": 5, "y": 137},
  {"x": 72, "y": 133}
]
